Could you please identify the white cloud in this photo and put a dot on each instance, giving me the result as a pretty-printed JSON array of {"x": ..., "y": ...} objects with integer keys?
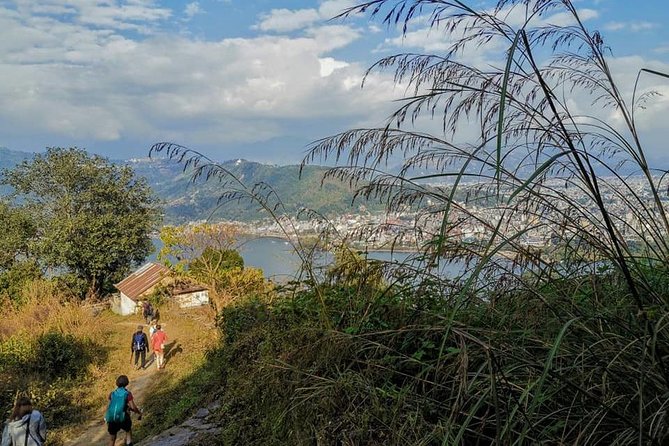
[
  {"x": 283, "y": 20},
  {"x": 72, "y": 79},
  {"x": 615, "y": 26},
  {"x": 329, "y": 65},
  {"x": 631, "y": 26},
  {"x": 287, "y": 20},
  {"x": 332, "y": 8},
  {"x": 192, "y": 9}
]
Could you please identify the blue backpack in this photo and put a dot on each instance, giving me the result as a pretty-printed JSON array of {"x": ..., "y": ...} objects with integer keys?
[
  {"x": 116, "y": 411},
  {"x": 138, "y": 343}
]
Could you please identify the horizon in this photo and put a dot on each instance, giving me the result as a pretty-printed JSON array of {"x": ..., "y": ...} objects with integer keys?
[{"x": 251, "y": 80}]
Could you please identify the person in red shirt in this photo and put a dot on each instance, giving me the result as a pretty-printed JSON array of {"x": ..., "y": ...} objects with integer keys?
[{"x": 158, "y": 344}]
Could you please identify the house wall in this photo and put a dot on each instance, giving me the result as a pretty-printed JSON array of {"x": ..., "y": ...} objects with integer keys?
[
  {"x": 126, "y": 306},
  {"x": 195, "y": 299}
]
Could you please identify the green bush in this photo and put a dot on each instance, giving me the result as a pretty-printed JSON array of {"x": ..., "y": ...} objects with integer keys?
[{"x": 61, "y": 356}]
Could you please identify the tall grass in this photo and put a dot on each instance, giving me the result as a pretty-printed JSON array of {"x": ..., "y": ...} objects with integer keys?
[
  {"x": 558, "y": 345},
  {"x": 48, "y": 347}
]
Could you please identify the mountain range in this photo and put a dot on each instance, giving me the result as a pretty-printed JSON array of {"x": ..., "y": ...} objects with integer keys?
[{"x": 186, "y": 200}]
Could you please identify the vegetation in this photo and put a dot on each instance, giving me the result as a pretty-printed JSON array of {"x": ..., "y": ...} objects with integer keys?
[
  {"x": 47, "y": 349},
  {"x": 523, "y": 349},
  {"x": 88, "y": 217},
  {"x": 205, "y": 253},
  {"x": 66, "y": 357}
]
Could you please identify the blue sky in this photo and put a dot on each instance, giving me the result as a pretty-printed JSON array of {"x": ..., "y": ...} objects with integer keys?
[{"x": 257, "y": 79}]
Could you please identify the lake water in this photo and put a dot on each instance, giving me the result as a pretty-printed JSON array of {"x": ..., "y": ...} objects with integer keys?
[{"x": 279, "y": 262}]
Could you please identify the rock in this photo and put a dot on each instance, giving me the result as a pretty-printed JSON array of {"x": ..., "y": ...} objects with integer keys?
[
  {"x": 202, "y": 413},
  {"x": 188, "y": 431}
]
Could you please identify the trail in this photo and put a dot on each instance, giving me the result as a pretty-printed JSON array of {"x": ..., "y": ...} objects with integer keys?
[
  {"x": 190, "y": 332},
  {"x": 140, "y": 380}
]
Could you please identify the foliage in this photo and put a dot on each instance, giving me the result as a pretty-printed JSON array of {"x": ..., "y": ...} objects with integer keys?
[
  {"x": 47, "y": 349},
  {"x": 204, "y": 252},
  {"x": 239, "y": 282},
  {"x": 523, "y": 348},
  {"x": 182, "y": 245},
  {"x": 14, "y": 279},
  {"x": 351, "y": 269},
  {"x": 18, "y": 232},
  {"x": 92, "y": 218},
  {"x": 213, "y": 263}
]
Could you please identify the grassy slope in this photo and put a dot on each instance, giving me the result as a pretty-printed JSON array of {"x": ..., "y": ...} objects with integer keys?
[{"x": 71, "y": 390}]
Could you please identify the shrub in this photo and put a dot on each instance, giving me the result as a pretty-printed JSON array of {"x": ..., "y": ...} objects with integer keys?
[{"x": 61, "y": 356}]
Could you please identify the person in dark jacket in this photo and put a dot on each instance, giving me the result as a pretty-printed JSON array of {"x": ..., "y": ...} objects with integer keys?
[
  {"x": 139, "y": 345},
  {"x": 148, "y": 311}
]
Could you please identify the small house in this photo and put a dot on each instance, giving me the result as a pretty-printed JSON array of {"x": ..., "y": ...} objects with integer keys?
[
  {"x": 191, "y": 296},
  {"x": 140, "y": 284}
]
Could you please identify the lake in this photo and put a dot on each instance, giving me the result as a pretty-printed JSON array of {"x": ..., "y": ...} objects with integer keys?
[{"x": 279, "y": 262}]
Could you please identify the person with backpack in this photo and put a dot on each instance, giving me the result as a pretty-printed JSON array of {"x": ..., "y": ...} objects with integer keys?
[
  {"x": 157, "y": 345},
  {"x": 25, "y": 427},
  {"x": 121, "y": 403},
  {"x": 147, "y": 311},
  {"x": 139, "y": 347}
]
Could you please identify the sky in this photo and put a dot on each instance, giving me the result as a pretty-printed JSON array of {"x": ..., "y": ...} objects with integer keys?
[{"x": 253, "y": 79}]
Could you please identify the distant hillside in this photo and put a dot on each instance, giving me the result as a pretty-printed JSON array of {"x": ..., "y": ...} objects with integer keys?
[
  {"x": 10, "y": 158},
  {"x": 186, "y": 201}
]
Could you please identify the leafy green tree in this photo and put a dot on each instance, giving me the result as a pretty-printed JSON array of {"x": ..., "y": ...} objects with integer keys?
[
  {"x": 213, "y": 263},
  {"x": 182, "y": 245},
  {"x": 93, "y": 218},
  {"x": 18, "y": 229}
]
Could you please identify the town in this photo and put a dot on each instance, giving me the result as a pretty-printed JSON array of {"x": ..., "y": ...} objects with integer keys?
[{"x": 409, "y": 229}]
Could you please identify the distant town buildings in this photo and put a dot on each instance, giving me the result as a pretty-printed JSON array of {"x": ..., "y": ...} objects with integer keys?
[{"x": 567, "y": 211}]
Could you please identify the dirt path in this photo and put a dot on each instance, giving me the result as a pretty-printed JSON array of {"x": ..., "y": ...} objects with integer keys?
[
  {"x": 189, "y": 333},
  {"x": 140, "y": 380},
  {"x": 96, "y": 432}
]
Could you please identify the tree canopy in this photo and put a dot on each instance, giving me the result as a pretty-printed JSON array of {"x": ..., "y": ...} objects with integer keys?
[{"x": 92, "y": 218}]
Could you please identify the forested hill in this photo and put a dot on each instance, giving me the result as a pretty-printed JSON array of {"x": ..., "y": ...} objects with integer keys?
[{"x": 185, "y": 201}]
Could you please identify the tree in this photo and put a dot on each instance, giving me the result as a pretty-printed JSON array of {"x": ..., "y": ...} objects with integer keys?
[
  {"x": 184, "y": 244},
  {"x": 204, "y": 252},
  {"x": 18, "y": 229},
  {"x": 92, "y": 217},
  {"x": 214, "y": 262}
]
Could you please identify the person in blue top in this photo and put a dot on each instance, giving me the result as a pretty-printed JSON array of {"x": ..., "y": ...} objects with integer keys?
[{"x": 26, "y": 426}]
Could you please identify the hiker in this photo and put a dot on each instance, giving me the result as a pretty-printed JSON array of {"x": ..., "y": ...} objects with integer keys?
[
  {"x": 147, "y": 311},
  {"x": 152, "y": 329},
  {"x": 158, "y": 344},
  {"x": 121, "y": 403},
  {"x": 26, "y": 426},
  {"x": 139, "y": 346}
]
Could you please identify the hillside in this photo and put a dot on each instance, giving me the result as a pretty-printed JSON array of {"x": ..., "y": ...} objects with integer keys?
[{"x": 185, "y": 201}]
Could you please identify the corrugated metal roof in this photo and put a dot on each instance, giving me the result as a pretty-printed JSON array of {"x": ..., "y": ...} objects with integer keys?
[{"x": 141, "y": 280}]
